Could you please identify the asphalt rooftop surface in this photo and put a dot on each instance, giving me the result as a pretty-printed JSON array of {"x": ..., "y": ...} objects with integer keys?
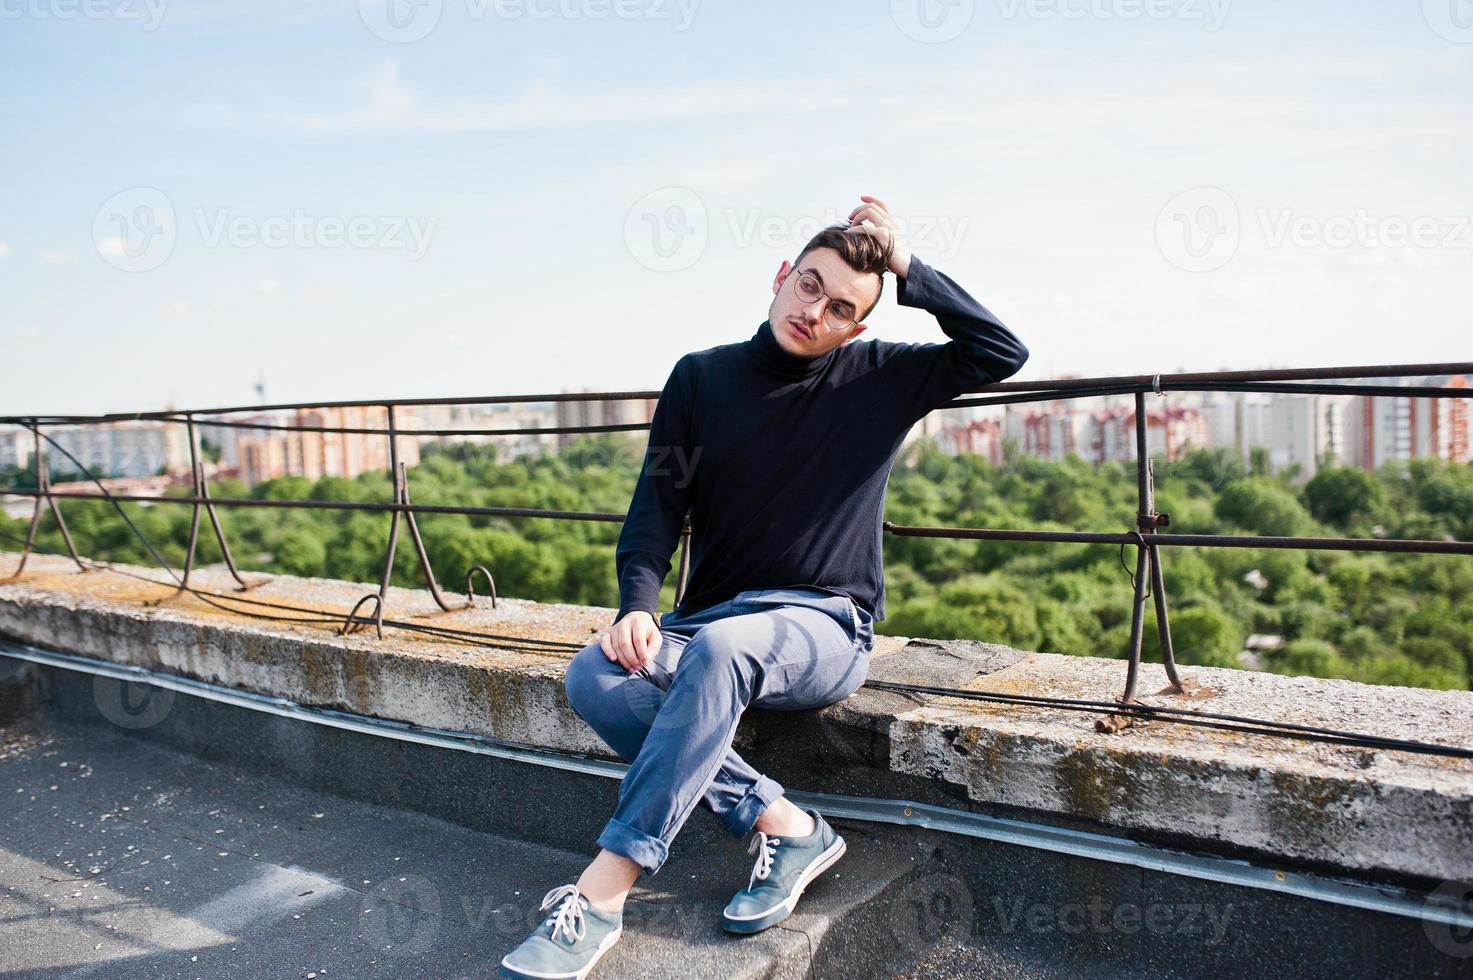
[
  {"x": 124, "y": 854},
  {"x": 123, "y": 859}
]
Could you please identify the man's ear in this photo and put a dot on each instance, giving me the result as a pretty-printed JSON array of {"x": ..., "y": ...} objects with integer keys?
[
  {"x": 782, "y": 274},
  {"x": 857, "y": 331}
]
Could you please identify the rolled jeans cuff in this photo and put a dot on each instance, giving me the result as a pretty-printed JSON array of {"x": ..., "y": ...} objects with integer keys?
[
  {"x": 646, "y": 851},
  {"x": 762, "y": 794}
]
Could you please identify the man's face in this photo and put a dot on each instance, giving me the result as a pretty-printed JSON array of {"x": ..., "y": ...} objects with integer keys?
[{"x": 800, "y": 327}]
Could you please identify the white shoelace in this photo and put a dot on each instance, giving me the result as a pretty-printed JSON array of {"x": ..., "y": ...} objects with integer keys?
[
  {"x": 568, "y": 919},
  {"x": 766, "y": 848}
]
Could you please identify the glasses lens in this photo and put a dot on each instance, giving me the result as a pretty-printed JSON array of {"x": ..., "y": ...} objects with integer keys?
[
  {"x": 808, "y": 288},
  {"x": 835, "y": 321}
]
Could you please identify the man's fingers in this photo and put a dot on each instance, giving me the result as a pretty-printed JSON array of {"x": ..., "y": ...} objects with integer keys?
[
  {"x": 631, "y": 642},
  {"x": 616, "y": 643},
  {"x": 624, "y": 646},
  {"x": 880, "y": 233},
  {"x": 877, "y": 223},
  {"x": 876, "y": 219},
  {"x": 651, "y": 646}
]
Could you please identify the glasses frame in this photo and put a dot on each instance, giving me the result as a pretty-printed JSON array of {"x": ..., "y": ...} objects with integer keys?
[{"x": 800, "y": 274}]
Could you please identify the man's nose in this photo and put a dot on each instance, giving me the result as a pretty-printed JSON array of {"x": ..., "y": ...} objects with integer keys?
[{"x": 813, "y": 312}]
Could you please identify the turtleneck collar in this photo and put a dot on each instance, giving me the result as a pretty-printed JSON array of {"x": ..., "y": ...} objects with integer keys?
[{"x": 778, "y": 362}]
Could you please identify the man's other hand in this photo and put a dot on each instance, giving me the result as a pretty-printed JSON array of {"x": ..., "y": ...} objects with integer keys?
[{"x": 632, "y": 641}]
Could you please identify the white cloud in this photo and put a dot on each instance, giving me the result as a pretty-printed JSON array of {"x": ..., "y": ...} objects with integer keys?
[
  {"x": 179, "y": 306},
  {"x": 382, "y": 103},
  {"x": 1013, "y": 87},
  {"x": 56, "y": 256},
  {"x": 268, "y": 286},
  {"x": 257, "y": 14},
  {"x": 4, "y": 250}
]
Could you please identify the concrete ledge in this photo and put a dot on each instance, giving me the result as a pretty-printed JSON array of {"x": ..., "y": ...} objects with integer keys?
[{"x": 1374, "y": 813}]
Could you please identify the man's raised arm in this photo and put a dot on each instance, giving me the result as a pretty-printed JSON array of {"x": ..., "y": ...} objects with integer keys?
[
  {"x": 924, "y": 377},
  {"x": 981, "y": 350},
  {"x": 661, "y": 496}
]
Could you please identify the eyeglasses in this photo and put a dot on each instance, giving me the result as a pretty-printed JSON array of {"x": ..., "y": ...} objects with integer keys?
[{"x": 837, "y": 313}]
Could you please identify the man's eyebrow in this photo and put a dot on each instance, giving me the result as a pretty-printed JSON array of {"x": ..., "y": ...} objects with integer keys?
[{"x": 819, "y": 276}]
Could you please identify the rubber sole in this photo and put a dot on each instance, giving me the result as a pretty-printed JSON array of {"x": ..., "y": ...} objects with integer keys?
[
  {"x": 506, "y": 970},
  {"x": 771, "y": 918}
]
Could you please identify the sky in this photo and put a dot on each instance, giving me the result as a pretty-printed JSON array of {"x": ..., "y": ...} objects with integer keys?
[{"x": 455, "y": 198}]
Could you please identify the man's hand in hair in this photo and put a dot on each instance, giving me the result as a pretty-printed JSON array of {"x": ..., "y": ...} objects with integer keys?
[
  {"x": 632, "y": 641},
  {"x": 873, "y": 218}
]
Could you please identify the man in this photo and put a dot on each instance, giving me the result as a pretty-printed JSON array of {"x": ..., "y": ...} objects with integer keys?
[{"x": 779, "y": 448}]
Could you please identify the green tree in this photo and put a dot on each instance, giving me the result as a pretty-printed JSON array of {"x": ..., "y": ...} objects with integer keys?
[
  {"x": 302, "y": 552},
  {"x": 1340, "y": 496},
  {"x": 1308, "y": 657},
  {"x": 1261, "y": 506}
]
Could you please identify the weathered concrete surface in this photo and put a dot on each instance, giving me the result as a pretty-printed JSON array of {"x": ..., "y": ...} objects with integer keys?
[
  {"x": 1345, "y": 807},
  {"x": 1377, "y": 812}
]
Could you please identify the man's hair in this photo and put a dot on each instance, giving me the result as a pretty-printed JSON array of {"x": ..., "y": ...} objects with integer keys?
[{"x": 861, "y": 252}]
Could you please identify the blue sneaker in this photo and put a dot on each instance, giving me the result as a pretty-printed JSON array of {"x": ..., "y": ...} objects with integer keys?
[
  {"x": 568, "y": 942},
  {"x": 785, "y": 866}
]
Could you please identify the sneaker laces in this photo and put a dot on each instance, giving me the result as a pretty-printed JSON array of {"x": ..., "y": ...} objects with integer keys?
[
  {"x": 766, "y": 848},
  {"x": 568, "y": 919}
]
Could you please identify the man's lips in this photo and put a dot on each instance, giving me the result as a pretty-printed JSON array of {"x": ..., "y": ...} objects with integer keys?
[{"x": 801, "y": 330}]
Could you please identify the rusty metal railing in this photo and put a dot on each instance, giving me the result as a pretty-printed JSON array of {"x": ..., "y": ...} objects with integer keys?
[{"x": 1147, "y": 537}]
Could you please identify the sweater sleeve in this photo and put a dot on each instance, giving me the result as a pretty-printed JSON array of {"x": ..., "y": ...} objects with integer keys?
[
  {"x": 924, "y": 377},
  {"x": 661, "y": 496}
]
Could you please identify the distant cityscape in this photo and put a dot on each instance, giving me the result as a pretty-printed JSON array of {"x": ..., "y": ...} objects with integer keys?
[
  {"x": 1303, "y": 431},
  {"x": 1299, "y": 432}
]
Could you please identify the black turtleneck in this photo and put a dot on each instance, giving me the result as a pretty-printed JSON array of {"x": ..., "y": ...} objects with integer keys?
[
  {"x": 780, "y": 364},
  {"x": 782, "y": 460}
]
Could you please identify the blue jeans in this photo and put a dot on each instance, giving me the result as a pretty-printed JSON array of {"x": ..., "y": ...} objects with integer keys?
[{"x": 674, "y": 719}]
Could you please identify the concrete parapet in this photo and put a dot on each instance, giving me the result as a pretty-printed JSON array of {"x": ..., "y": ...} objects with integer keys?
[{"x": 1374, "y": 813}]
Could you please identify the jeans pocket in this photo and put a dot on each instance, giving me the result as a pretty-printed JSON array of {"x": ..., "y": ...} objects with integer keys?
[{"x": 864, "y": 623}]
